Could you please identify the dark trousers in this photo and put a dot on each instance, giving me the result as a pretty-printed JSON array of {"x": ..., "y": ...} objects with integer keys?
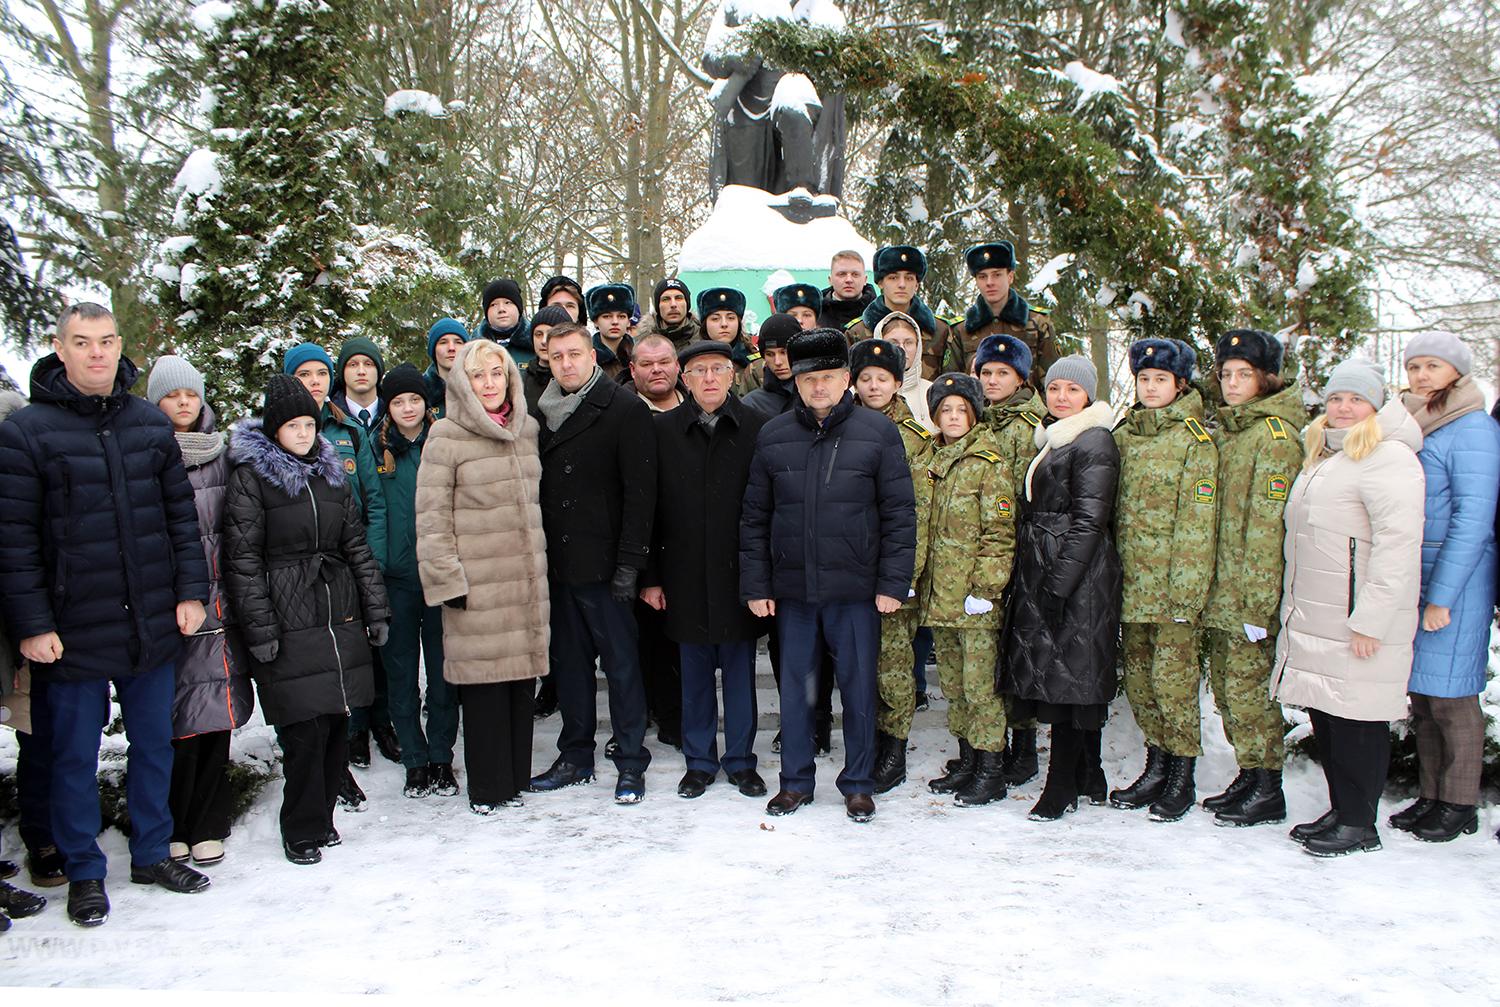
[
  {"x": 589, "y": 625},
  {"x": 921, "y": 646},
  {"x": 851, "y": 633},
  {"x": 700, "y": 705},
  {"x": 660, "y": 669},
  {"x": 315, "y": 754},
  {"x": 378, "y": 713},
  {"x": 201, "y": 799},
  {"x": 417, "y": 632},
  {"x": 1356, "y": 756},
  {"x": 497, "y": 739},
  {"x": 34, "y": 774},
  {"x": 825, "y": 675}
]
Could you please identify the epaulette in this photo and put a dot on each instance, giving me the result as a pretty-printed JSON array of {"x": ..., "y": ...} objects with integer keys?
[
  {"x": 851, "y": 323},
  {"x": 1031, "y": 418},
  {"x": 387, "y": 463},
  {"x": 754, "y": 357},
  {"x": 1278, "y": 429},
  {"x": 951, "y": 320},
  {"x": 1196, "y": 429},
  {"x": 917, "y": 429},
  {"x": 1037, "y": 309},
  {"x": 988, "y": 456}
]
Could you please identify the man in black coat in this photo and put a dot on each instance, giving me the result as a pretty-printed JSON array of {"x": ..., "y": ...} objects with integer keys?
[
  {"x": 707, "y": 443},
  {"x": 776, "y": 394},
  {"x": 828, "y": 543},
  {"x": 598, "y": 497},
  {"x": 101, "y": 575}
]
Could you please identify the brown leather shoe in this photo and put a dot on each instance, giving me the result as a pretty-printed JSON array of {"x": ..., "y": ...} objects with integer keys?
[
  {"x": 859, "y": 807},
  {"x": 787, "y": 801}
]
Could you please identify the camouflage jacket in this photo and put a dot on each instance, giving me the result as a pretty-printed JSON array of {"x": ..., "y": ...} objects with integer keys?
[
  {"x": 919, "y": 446},
  {"x": 1031, "y": 325},
  {"x": 1014, "y": 424},
  {"x": 1260, "y": 454},
  {"x": 971, "y": 532},
  {"x": 1166, "y": 511}
]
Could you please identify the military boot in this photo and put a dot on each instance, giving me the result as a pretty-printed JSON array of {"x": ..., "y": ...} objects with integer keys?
[
  {"x": 1231, "y": 796},
  {"x": 1177, "y": 795},
  {"x": 1263, "y": 801},
  {"x": 964, "y": 748},
  {"x": 890, "y": 762},
  {"x": 1147, "y": 786},
  {"x": 1020, "y": 756},
  {"x": 959, "y": 776},
  {"x": 986, "y": 785}
]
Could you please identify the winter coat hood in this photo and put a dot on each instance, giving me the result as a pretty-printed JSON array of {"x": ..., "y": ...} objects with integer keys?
[
  {"x": 50, "y": 385},
  {"x": 10, "y": 402},
  {"x": 249, "y": 445},
  {"x": 913, "y": 385},
  {"x": 465, "y": 409}
]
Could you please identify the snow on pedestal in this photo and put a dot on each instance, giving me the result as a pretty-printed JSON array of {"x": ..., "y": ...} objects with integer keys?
[{"x": 745, "y": 232}]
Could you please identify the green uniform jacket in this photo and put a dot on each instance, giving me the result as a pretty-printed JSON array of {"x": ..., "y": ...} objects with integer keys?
[
  {"x": 1014, "y": 424},
  {"x": 399, "y": 459},
  {"x": 1260, "y": 454},
  {"x": 1166, "y": 511},
  {"x": 353, "y": 448},
  {"x": 1030, "y": 325},
  {"x": 971, "y": 532},
  {"x": 919, "y": 446}
]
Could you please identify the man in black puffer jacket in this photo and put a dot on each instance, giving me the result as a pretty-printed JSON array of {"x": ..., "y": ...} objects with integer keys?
[
  {"x": 828, "y": 542},
  {"x": 101, "y": 575}
]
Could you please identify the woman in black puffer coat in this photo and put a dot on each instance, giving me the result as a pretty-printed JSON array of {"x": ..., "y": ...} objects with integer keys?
[
  {"x": 307, "y": 592},
  {"x": 1062, "y": 624}
]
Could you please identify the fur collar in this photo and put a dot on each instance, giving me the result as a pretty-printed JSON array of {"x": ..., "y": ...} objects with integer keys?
[
  {"x": 1066, "y": 431},
  {"x": 249, "y": 445},
  {"x": 1015, "y": 312},
  {"x": 926, "y": 320}
]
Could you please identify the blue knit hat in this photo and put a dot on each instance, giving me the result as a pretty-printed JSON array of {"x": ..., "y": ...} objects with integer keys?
[
  {"x": 304, "y": 353},
  {"x": 444, "y": 327},
  {"x": 1007, "y": 350}
]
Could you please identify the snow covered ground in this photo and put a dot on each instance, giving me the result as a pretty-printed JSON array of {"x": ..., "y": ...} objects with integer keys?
[{"x": 572, "y": 897}]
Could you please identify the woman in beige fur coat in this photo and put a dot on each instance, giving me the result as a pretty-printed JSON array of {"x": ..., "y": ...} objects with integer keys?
[{"x": 481, "y": 554}]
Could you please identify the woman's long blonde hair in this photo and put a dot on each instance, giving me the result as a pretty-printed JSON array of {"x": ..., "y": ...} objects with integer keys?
[{"x": 1362, "y": 438}]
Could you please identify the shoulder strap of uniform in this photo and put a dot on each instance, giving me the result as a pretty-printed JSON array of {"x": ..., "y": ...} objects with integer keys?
[
  {"x": 1196, "y": 429},
  {"x": 851, "y": 323},
  {"x": 988, "y": 456},
  {"x": 1030, "y": 417},
  {"x": 916, "y": 428},
  {"x": 1278, "y": 429}
]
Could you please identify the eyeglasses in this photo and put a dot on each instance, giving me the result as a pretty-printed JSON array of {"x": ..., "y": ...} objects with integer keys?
[{"x": 718, "y": 370}]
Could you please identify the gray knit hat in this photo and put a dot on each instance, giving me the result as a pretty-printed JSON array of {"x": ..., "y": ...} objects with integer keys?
[
  {"x": 1358, "y": 376},
  {"x": 170, "y": 373},
  {"x": 1445, "y": 346},
  {"x": 1078, "y": 369}
]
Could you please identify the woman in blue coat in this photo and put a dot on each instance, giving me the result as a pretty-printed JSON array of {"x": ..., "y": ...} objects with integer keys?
[{"x": 1461, "y": 459}]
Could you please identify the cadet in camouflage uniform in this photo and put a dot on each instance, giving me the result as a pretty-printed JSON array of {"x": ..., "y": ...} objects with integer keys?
[
  {"x": 1013, "y": 413},
  {"x": 971, "y": 544},
  {"x": 999, "y": 309},
  {"x": 1260, "y": 453},
  {"x": 1166, "y": 517},
  {"x": 899, "y": 271},
  {"x": 877, "y": 368}
]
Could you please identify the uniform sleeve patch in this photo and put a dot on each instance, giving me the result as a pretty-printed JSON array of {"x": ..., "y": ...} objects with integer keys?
[
  {"x": 1004, "y": 505},
  {"x": 1203, "y": 492},
  {"x": 1278, "y": 430},
  {"x": 1276, "y": 487},
  {"x": 1199, "y": 434},
  {"x": 349, "y": 465}
]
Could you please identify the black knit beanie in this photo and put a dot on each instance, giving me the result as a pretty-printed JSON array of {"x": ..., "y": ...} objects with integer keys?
[
  {"x": 501, "y": 288},
  {"x": 286, "y": 399},
  {"x": 402, "y": 379}
]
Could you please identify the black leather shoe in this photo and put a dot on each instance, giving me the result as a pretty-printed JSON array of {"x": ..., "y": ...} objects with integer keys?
[
  {"x": 1442, "y": 824},
  {"x": 386, "y": 741},
  {"x": 18, "y": 903},
  {"x": 418, "y": 783},
  {"x": 334, "y": 839},
  {"x": 1407, "y": 818},
  {"x": 351, "y": 797},
  {"x": 786, "y": 802},
  {"x": 359, "y": 749},
  {"x": 46, "y": 867},
  {"x": 859, "y": 807},
  {"x": 171, "y": 875},
  {"x": 1302, "y": 833},
  {"x": 749, "y": 782},
  {"x": 561, "y": 774},
  {"x": 1237, "y": 789},
  {"x": 694, "y": 783},
  {"x": 630, "y": 786},
  {"x": 88, "y": 906},
  {"x": 302, "y": 853},
  {"x": 1343, "y": 839},
  {"x": 9, "y": 869}
]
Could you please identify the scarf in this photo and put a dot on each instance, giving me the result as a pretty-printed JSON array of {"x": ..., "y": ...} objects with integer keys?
[
  {"x": 199, "y": 448},
  {"x": 556, "y": 405},
  {"x": 502, "y": 417},
  {"x": 1065, "y": 431},
  {"x": 1462, "y": 400}
]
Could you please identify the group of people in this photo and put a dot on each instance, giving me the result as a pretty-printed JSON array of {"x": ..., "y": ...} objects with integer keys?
[{"x": 861, "y": 483}]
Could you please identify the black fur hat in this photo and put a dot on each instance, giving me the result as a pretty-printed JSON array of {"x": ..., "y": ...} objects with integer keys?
[
  {"x": 797, "y": 295},
  {"x": 1164, "y": 355},
  {"x": 877, "y": 353},
  {"x": 818, "y": 350},
  {"x": 720, "y": 299},
  {"x": 1256, "y": 347},
  {"x": 893, "y": 257},
  {"x": 953, "y": 383},
  {"x": 610, "y": 297},
  {"x": 994, "y": 255}
]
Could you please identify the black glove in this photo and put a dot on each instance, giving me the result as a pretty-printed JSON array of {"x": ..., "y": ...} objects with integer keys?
[
  {"x": 460, "y": 603},
  {"x": 379, "y": 633},
  {"x": 622, "y": 587},
  {"x": 1053, "y": 606},
  {"x": 265, "y": 653}
]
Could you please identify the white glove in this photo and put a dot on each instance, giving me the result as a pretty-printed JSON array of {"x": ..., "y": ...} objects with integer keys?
[
  {"x": 976, "y": 606},
  {"x": 1255, "y": 634},
  {"x": 911, "y": 592}
]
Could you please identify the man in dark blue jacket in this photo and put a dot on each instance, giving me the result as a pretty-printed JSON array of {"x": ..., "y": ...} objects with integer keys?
[
  {"x": 828, "y": 543},
  {"x": 101, "y": 575}
]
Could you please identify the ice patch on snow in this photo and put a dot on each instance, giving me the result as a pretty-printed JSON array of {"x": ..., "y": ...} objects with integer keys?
[
  {"x": 414, "y": 100},
  {"x": 745, "y": 232},
  {"x": 200, "y": 174}
]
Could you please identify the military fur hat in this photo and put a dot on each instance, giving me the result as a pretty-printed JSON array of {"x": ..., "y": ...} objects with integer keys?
[
  {"x": 877, "y": 353},
  {"x": 1164, "y": 355},
  {"x": 964, "y": 386},
  {"x": 818, "y": 350},
  {"x": 797, "y": 295},
  {"x": 895, "y": 257},
  {"x": 610, "y": 297},
  {"x": 1256, "y": 347},
  {"x": 994, "y": 255},
  {"x": 1004, "y": 349},
  {"x": 721, "y": 299}
]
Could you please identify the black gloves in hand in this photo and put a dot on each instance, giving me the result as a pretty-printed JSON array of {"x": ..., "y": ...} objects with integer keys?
[
  {"x": 265, "y": 653},
  {"x": 380, "y": 632},
  {"x": 622, "y": 587},
  {"x": 461, "y": 602}
]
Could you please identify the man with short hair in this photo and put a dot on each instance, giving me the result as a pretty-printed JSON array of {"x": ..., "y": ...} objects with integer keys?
[
  {"x": 610, "y": 308},
  {"x": 443, "y": 341},
  {"x": 356, "y": 385},
  {"x": 654, "y": 373},
  {"x": 827, "y": 544},
  {"x": 777, "y": 393},
  {"x": 598, "y": 496},
  {"x": 671, "y": 315},
  {"x": 847, "y": 294},
  {"x": 565, "y": 292},
  {"x": 1000, "y": 310},
  {"x": 800, "y": 300},
  {"x": 899, "y": 271},
  {"x": 102, "y": 573}
]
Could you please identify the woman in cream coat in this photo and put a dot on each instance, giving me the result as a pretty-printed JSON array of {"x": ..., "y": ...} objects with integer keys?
[{"x": 1349, "y": 596}]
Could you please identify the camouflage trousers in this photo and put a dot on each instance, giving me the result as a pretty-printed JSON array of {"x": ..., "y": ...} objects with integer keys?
[
  {"x": 897, "y": 688},
  {"x": 966, "y": 673},
  {"x": 1240, "y": 673},
  {"x": 1161, "y": 682}
]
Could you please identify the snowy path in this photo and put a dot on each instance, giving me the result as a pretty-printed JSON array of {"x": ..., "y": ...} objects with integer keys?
[{"x": 711, "y": 899}]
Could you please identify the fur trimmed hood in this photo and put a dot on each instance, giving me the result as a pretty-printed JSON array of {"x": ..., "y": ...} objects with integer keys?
[
  {"x": 466, "y": 411},
  {"x": 249, "y": 445},
  {"x": 10, "y": 402}
]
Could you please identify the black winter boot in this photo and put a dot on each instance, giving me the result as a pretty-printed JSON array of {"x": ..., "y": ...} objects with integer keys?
[
  {"x": 1302, "y": 833},
  {"x": 1091, "y": 783},
  {"x": 986, "y": 785},
  {"x": 1408, "y": 817},
  {"x": 1444, "y": 823},
  {"x": 1147, "y": 786},
  {"x": 1264, "y": 801},
  {"x": 959, "y": 776},
  {"x": 1060, "y": 794},
  {"x": 1343, "y": 839},
  {"x": 890, "y": 762},
  {"x": 1020, "y": 756},
  {"x": 1232, "y": 794},
  {"x": 964, "y": 748},
  {"x": 359, "y": 749},
  {"x": 1178, "y": 795}
]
